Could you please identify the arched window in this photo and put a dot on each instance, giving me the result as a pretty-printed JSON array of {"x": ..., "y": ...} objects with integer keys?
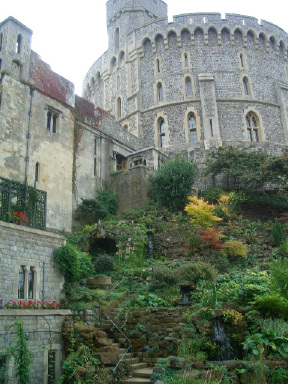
[
  {"x": 192, "y": 128},
  {"x": 158, "y": 67},
  {"x": 21, "y": 283},
  {"x": 252, "y": 127},
  {"x": 246, "y": 86},
  {"x": 160, "y": 92},
  {"x": 242, "y": 62},
  {"x": 116, "y": 39},
  {"x": 162, "y": 136},
  {"x": 18, "y": 44},
  {"x": 188, "y": 86},
  {"x": 31, "y": 278},
  {"x": 119, "y": 108},
  {"x": 185, "y": 60}
]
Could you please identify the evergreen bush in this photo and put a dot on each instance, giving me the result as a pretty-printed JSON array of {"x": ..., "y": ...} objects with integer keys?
[{"x": 104, "y": 263}]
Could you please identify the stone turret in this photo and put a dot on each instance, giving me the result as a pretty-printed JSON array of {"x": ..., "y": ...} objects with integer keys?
[
  {"x": 15, "y": 48},
  {"x": 124, "y": 16}
]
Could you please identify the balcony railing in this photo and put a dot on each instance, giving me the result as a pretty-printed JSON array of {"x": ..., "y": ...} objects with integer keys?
[{"x": 16, "y": 197}]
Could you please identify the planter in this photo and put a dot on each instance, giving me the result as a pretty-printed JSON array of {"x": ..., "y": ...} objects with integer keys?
[{"x": 101, "y": 282}]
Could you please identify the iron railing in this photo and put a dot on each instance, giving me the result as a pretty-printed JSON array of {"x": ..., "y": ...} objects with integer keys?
[
  {"x": 18, "y": 197},
  {"x": 129, "y": 348}
]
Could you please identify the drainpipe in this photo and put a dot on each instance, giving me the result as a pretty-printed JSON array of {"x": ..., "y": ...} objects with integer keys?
[
  {"x": 28, "y": 136},
  {"x": 43, "y": 282}
]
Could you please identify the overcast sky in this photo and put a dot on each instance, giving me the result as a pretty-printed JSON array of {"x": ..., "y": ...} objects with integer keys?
[{"x": 70, "y": 35}]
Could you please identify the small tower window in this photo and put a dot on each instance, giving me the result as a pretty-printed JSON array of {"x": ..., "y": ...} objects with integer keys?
[
  {"x": 160, "y": 92},
  {"x": 119, "y": 108},
  {"x": 1, "y": 40},
  {"x": 116, "y": 39},
  {"x": 242, "y": 60},
  {"x": 158, "y": 68},
  {"x": 162, "y": 135},
  {"x": 37, "y": 172},
  {"x": 188, "y": 86},
  {"x": 186, "y": 60},
  {"x": 246, "y": 86},
  {"x": 252, "y": 127},
  {"x": 18, "y": 44}
]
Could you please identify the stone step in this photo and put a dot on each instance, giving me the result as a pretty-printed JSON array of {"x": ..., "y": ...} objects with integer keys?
[
  {"x": 137, "y": 380},
  {"x": 137, "y": 366},
  {"x": 144, "y": 372}
]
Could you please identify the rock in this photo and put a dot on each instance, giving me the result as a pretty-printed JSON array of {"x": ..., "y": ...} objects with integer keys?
[{"x": 176, "y": 362}]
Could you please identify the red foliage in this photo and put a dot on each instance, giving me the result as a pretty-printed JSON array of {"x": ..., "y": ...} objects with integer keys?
[{"x": 210, "y": 237}]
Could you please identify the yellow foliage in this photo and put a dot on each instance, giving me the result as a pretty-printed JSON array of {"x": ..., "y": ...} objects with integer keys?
[
  {"x": 201, "y": 212},
  {"x": 224, "y": 204},
  {"x": 234, "y": 317},
  {"x": 235, "y": 248}
]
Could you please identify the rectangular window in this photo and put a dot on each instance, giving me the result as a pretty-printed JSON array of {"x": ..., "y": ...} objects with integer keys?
[
  {"x": 95, "y": 166},
  {"x": 193, "y": 136}
]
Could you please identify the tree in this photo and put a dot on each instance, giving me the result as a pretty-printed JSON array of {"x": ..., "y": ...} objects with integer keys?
[
  {"x": 243, "y": 169},
  {"x": 172, "y": 183}
]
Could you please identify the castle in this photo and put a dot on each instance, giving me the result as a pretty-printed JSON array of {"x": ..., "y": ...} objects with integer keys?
[
  {"x": 182, "y": 87},
  {"x": 160, "y": 89}
]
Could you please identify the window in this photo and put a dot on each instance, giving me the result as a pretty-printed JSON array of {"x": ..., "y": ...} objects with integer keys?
[
  {"x": 116, "y": 39},
  {"x": 192, "y": 128},
  {"x": 186, "y": 60},
  {"x": 31, "y": 276},
  {"x": 118, "y": 83},
  {"x": 246, "y": 86},
  {"x": 158, "y": 67},
  {"x": 52, "y": 118},
  {"x": 252, "y": 127},
  {"x": 162, "y": 136},
  {"x": 242, "y": 60},
  {"x": 0, "y": 64},
  {"x": 18, "y": 44},
  {"x": 160, "y": 92},
  {"x": 1, "y": 41},
  {"x": 192, "y": 157},
  {"x": 21, "y": 283},
  {"x": 37, "y": 172},
  {"x": 118, "y": 108},
  {"x": 188, "y": 86}
]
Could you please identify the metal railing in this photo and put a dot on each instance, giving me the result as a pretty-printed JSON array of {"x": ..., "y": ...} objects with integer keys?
[
  {"x": 129, "y": 348},
  {"x": 16, "y": 197}
]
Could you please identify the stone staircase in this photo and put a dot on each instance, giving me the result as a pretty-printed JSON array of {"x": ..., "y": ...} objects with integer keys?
[{"x": 140, "y": 371}]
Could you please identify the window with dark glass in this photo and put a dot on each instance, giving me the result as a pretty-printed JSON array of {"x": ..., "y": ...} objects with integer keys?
[{"x": 246, "y": 86}]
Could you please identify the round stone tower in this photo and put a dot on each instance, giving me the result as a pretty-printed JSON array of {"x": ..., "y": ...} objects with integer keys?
[{"x": 193, "y": 84}]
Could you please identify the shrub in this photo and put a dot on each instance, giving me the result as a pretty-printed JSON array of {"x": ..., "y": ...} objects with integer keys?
[
  {"x": 104, "y": 205},
  {"x": 195, "y": 272},
  {"x": 73, "y": 265},
  {"x": 210, "y": 238},
  {"x": 277, "y": 233},
  {"x": 212, "y": 194},
  {"x": 279, "y": 277},
  {"x": 194, "y": 241},
  {"x": 201, "y": 212},
  {"x": 162, "y": 278},
  {"x": 172, "y": 183},
  {"x": 272, "y": 305},
  {"x": 150, "y": 300},
  {"x": 104, "y": 263},
  {"x": 235, "y": 248}
]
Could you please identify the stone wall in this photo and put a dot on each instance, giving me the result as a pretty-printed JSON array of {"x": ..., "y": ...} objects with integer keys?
[
  {"x": 43, "y": 332},
  {"x": 31, "y": 248}
]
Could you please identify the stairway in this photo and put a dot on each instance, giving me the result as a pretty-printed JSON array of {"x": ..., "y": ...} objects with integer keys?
[{"x": 140, "y": 371}]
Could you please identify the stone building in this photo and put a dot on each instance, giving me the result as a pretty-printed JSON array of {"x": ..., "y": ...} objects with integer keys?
[{"x": 195, "y": 83}]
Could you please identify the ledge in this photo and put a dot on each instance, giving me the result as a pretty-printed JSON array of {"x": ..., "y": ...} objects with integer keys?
[{"x": 35, "y": 312}]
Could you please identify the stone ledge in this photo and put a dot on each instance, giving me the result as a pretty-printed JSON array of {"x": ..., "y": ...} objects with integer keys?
[
  {"x": 35, "y": 312},
  {"x": 31, "y": 230}
]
